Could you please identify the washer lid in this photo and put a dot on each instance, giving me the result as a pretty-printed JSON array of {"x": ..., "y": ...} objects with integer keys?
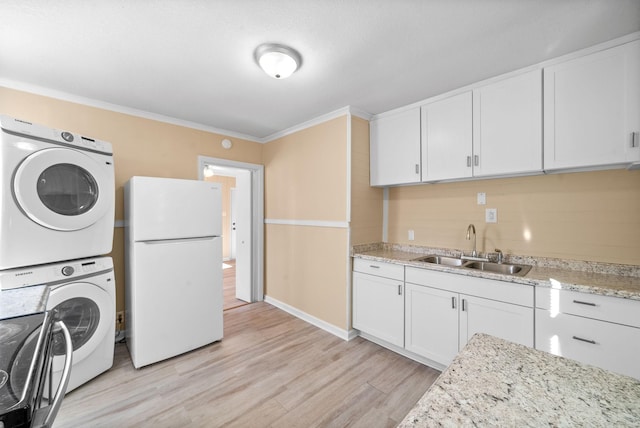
[{"x": 63, "y": 189}]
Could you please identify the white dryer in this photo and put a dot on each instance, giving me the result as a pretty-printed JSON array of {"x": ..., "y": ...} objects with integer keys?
[
  {"x": 81, "y": 293},
  {"x": 57, "y": 193}
]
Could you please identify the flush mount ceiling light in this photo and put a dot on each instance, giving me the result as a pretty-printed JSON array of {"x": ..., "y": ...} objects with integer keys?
[{"x": 278, "y": 61}]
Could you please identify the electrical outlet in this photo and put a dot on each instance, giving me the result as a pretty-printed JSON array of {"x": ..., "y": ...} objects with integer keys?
[
  {"x": 119, "y": 319},
  {"x": 482, "y": 198},
  {"x": 412, "y": 235}
]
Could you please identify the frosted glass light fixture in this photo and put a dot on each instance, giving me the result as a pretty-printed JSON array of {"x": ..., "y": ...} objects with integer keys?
[{"x": 278, "y": 61}]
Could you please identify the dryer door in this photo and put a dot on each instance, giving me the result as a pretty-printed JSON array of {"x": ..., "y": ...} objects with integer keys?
[
  {"x": 89, "y": 313},
  {"x": 63, "y": 189}
]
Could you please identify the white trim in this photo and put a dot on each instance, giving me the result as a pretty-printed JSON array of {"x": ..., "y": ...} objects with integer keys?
[
  {"x": 385, "y": 214},
  {"x": 310, "y": 223},
  {"x": 52, "y": 93},
  {"x": 317, "y": 121},
  {"x": 257, "y": 206},
  {"x": 330, "y": 328}
]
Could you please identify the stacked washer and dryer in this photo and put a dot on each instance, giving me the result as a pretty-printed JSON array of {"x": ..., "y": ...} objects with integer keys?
[{"x": 57, "y": 196}]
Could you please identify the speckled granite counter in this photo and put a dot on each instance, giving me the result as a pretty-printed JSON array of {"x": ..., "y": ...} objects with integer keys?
[
  {"x": 23, "y": 301},
  {"x": 587, "y": 277},
  {"x": 493, "y": 382}
]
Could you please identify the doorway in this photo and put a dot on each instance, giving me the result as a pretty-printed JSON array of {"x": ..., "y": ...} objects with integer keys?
[{"x": 243, "y": 218}]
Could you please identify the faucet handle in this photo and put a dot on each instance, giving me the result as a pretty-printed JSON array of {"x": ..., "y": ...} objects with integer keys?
[{"x": 500, "y": 255}]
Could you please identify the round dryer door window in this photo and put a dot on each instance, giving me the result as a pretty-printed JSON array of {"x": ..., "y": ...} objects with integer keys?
[
  {"x": 62, "y": 189},
  {"x": 88, "y": 312}
]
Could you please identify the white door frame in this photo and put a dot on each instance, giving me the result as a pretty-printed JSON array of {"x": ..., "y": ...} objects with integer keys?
[{"x": 257, "y": 208}]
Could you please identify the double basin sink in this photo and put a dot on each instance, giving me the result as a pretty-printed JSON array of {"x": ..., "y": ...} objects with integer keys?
[{"x": 502, "y": 268}]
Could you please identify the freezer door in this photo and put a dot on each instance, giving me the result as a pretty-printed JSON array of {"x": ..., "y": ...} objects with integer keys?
[
  {"x": 168, "y": 208},
  {"x": 175, "y": 298}
]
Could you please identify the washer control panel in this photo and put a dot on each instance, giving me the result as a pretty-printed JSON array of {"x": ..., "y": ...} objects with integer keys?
[{"x": 52, "y": 273}]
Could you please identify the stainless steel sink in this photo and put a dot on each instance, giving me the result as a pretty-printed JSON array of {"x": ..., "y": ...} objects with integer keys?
[
  {"x": 503, "y": 268},
  {"x": 441, "y": 260}
]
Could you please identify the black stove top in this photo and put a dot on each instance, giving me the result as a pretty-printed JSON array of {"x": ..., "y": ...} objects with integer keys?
[{"x": 20, "y": 342}]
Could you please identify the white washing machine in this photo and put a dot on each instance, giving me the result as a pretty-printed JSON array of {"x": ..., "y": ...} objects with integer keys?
[
  {"x": 82, "y": 293},
  {"x": 57, "y": 193}
]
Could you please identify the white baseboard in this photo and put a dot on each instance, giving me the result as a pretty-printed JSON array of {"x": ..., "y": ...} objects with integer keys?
[{"x": 330, "y": 328}]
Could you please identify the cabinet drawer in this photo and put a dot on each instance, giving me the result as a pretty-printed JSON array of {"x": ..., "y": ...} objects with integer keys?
[
  {"x": 606, "y": 308},
  {"x": 603, "y": 344},
  {"x": 386, "y": 270}
]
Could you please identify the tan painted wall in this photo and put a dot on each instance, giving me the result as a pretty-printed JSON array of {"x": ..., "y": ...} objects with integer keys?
[
  {"x": 305, "y": 179},
  {"x": 141, "y": 147},
  {"x": 593, "y": 216},
  {"x": 227, "y": 184},
  {"x": 366, "y": 201},
  {"x": 305, "y": 174}
]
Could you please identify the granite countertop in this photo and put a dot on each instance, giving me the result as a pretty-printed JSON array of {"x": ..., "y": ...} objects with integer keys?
[
  {"x": 493, "y": 382},
  {"x": 23, "y": 301},
  {"x": 588, "y": 277}
]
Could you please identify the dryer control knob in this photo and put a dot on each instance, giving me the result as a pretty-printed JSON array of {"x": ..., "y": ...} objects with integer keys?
[
  {"x": 67, "y": 270},
  {"x": 67, "y": 136}
]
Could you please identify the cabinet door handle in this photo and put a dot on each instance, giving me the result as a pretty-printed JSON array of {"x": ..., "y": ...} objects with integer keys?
[
  {"x": 374, "y": 267},
  {"x": 580, "y": 302},
  {"x": 399, "y": 289},
  {"x": 469, "y": 161},
  {"x": 635, "y": 137},
  {"x": 453, "y": 302},
  {"x": 464, "y": 305},
  {"x": 417, "y": 169},
  {"x": 593, "y": 342},
  {"x": 476, "y": 160}
]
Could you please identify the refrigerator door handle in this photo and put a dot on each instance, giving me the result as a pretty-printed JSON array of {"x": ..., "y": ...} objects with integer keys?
[{"x": 169, "y": 241}]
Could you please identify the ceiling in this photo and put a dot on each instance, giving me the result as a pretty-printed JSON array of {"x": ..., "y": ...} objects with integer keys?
[{"x": 191, "y": 61}]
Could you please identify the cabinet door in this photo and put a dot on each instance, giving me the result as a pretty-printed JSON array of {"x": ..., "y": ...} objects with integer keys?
[
  {"x": 507, "y": 126},
  {"x": 504, "y": 320},
  {"x": 603, "y": 344},
  {"x": 378, "y": 307},
  {"x": 447, "y": 138},
  {"x": 431, "y": 323},
  {"x": 592, "y": 109},
  {"x": 395, "y": 149}
]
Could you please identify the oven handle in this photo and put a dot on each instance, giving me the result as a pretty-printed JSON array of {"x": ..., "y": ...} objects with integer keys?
[{"x": 45, "y": 420}]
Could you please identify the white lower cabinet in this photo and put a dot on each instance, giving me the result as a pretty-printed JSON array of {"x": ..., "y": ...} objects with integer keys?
[
  {"x": 599, "y": 330},
  {"x": 378, "y": 302},
  {"x": 444, "y": 310},
  {"x": 431, "y": 326}
]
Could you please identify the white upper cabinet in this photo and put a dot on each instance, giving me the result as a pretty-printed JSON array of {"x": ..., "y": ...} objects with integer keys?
[
  {"x": 507, "y": 126},
  {"x": 592, "y": 109},
  {"x": 395, "y": 149},
  {"x": 447, "y": 138}
]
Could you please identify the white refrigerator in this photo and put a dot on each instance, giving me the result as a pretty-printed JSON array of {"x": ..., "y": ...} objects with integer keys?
[{"x": 173, "y": 267}]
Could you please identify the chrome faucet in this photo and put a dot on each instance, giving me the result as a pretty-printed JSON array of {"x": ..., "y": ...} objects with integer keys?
[{"x": 470, "y": 229}]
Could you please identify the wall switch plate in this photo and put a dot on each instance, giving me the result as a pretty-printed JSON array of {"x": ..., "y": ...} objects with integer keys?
[
  {"x": 412, "y": 235},
  {"x": 482, "y": 198},
  {"x": 491, "y": 215}
]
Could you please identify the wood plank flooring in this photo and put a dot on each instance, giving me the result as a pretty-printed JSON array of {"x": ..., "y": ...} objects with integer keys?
[{"x": 270, "y": 370}]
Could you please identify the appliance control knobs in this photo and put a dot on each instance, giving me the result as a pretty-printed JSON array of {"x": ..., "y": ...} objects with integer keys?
[
  {"x": 67, "y": 270},
  {"x": 67, "y": 136}
]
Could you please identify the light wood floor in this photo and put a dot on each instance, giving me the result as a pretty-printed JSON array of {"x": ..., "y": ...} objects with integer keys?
[
  {"x": 229, "y": 286},
  {"x": 270, "y": 370}
]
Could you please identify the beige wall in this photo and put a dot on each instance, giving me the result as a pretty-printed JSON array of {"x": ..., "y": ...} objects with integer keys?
[
  {"x": 227, "y": 184},
  {"x": 366, "y": 201},
  {"x": 306, "y": 179},
  {"x": 305, "y": 174},
  {"x": 141, "y": 147},
  {"x": 593, "y": 216}
]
